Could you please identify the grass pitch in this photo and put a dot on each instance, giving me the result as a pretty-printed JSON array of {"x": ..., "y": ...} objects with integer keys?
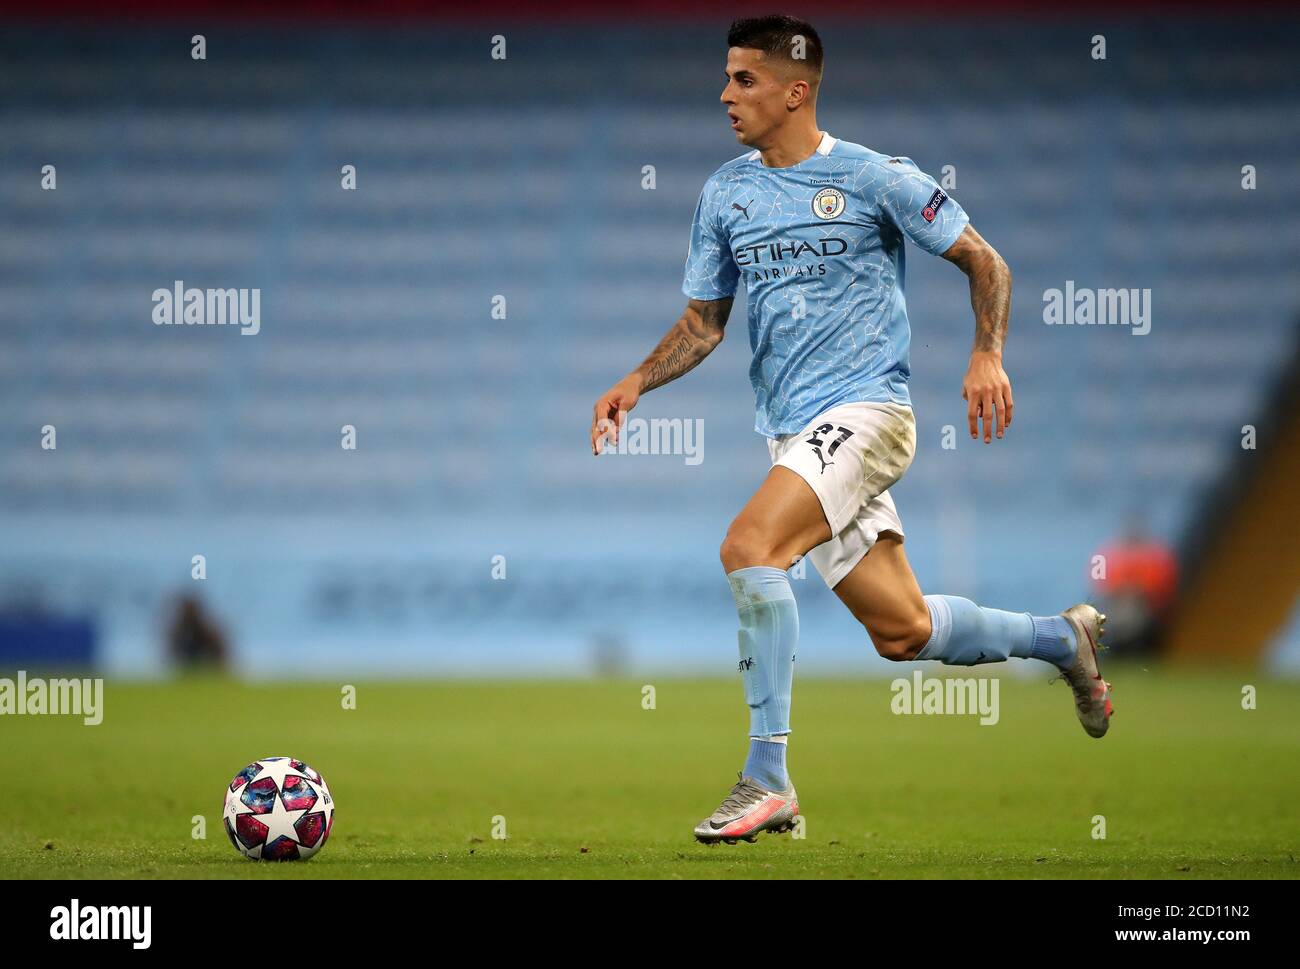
[{"x": 591, "y": 785}]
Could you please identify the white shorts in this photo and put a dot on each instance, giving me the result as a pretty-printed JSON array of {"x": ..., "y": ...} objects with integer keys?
[{"x": 850, "y": 456}]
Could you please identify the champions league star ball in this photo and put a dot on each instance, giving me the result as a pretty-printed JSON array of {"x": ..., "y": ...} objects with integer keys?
[{"x": 278, "y": 809}]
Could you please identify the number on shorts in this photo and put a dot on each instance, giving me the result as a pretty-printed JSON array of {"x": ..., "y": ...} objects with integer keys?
[{"x": 816, "y": 440}]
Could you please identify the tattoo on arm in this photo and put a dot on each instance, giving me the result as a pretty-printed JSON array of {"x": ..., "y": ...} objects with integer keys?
[
  {"x": 693, "y": 338},
  {"x": 990, "y": 287}
]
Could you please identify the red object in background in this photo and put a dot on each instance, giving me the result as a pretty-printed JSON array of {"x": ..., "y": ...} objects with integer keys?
[{"x": 1143, "y": 565}]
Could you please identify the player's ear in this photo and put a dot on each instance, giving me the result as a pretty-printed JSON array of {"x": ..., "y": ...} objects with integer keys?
[{"x": 800, "y": 92}]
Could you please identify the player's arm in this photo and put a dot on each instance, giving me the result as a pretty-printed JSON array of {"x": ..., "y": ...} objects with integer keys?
[
  {"x": 986, "y": 387},
  {"x": 691, "y": 339}
]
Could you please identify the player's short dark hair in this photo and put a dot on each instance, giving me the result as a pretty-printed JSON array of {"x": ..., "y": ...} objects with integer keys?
[{"x": 775, "y": 35}]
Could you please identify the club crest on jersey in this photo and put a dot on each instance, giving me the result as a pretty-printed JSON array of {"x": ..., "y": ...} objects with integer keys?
[
  {"x": 932, "y": 207},
  {"x": 828, "y": 203}
]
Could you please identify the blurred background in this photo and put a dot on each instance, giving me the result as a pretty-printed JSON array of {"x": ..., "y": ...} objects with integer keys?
[{"x": 506, "y": 254}]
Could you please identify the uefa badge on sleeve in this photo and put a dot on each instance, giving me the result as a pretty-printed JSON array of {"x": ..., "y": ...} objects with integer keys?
[{"x": 932, "y": 207}]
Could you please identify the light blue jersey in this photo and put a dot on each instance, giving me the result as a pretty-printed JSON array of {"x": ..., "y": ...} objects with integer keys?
[{"x": 820, "y": 247}]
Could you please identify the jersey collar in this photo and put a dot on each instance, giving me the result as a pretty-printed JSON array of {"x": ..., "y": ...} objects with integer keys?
[{"x": 823, "y": 148}]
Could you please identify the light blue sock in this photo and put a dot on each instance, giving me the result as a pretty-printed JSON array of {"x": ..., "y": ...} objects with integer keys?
[
  {"x": 769, "y": 633},
  {"x": 965, "y": 634},
  {"x": 766, "y": 764}
]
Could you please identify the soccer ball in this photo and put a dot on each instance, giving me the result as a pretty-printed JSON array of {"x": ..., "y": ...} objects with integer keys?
[{"x": 278, "y": 809}]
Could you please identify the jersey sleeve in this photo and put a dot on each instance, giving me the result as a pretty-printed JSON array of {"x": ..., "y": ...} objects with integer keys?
[
  {"x": 711, "y": 272},
  {"x": 922, "y": 211}
]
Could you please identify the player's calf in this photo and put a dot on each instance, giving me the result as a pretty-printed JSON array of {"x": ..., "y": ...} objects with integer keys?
[{"x": 900, "y": 639}]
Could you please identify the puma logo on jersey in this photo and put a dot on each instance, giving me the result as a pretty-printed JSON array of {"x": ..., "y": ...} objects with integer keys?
[
  {"x": 743, "y": 208},
  {"x": 825, "y": 464}
]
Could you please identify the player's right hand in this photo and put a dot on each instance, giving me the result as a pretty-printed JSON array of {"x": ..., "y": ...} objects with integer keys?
[
  {"x": 610, "y": 412},
  {"x": 987, "y": 391}
]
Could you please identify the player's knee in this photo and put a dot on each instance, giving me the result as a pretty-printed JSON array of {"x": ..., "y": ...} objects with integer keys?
[
  {"x": 903, "y": 639},
  {"x": 745, "y": 547}
]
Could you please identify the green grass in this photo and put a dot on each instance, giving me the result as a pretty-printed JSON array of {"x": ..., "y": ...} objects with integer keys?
[{"x": 592, "y": 785}]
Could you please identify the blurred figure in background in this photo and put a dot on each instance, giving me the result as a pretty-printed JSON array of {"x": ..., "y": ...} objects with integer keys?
[
  {"x": 608, "y": 655},
  {"x": 1136, "y": 588},
  {"x": 195, "y": 643}
]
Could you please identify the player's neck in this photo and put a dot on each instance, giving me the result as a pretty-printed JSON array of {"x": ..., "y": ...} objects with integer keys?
[{"x": 792, "y": 146}]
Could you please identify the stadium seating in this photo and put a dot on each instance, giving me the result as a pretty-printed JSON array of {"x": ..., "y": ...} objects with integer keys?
[{"x": 523, "y": 179}]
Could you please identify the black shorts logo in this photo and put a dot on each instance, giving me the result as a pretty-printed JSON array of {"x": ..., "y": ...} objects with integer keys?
[{"x": 817, "y": 443}]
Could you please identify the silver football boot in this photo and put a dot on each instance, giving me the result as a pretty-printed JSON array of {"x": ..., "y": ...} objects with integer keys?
[
  {"x": 1091, "y": 692},
  {"x": 747, "y": 810}
]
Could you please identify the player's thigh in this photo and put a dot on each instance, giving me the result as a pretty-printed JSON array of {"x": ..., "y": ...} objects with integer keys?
[
  {"x": 783, "y": 520},
  {"x": 883, "y": 595}
]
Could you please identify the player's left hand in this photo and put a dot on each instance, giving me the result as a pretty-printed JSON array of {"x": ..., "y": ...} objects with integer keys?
[
  {"x": 987, "y": 390},
  {"x": 610, "y": 413}
]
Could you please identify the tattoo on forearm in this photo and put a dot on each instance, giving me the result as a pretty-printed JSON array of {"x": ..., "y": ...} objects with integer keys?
[
  {"x": 672, "y": 364},
  {"x": 990, "y": 298},
  {"x": 691, "y": 340},
  {"x": 990, "y": 287}
]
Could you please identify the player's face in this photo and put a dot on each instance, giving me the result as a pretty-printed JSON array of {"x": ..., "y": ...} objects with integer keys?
[{"x": 755, "y": 96}]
